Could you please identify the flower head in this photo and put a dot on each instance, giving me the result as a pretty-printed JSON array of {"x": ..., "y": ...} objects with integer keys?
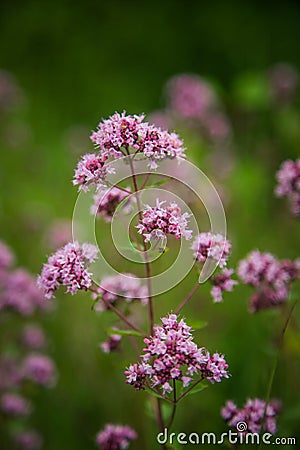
[
  {"x": 112, "y": 343},
  {"x": 270, "y": 277},
  {"x": 170, "y": 354},
  {"x": 28, "y": 440},
  {"x": 222, "y": 282},
  {"x": 288, "y": 178},
  {"x": 115, "y": 437},
  {"x": 90, "y": 170},
  {"x": 158, "y": 221},
  {"x": 40, "y": 369},
  {"x": 190, "y": 97},
  {"x": 68, "y": 267},
  {"x": 255, "y": 414},
  {"x": 20, "y": 293},
  {"x": 119, "y": 133},
  {"x": 107, "y": 200},
  {"x": 15, "y": 405},
  {"x": 33, "y": 337},
  {"x": 6, "y": 257},
  {"x": 209, "y": 245},
  {"x": 123, "y": 285}
]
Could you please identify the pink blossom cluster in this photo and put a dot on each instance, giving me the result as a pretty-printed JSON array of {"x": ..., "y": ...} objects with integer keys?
[
  {"x": 119, "y": 133},
  {"x": 270, "y": 277},
  {"x": 90, "y": 170},
  {"x": 115, "y": 437},
  {"x": 222, "y": 282},
  {"x": 20, "y": 294},
  {"x": 214, "y": 246},
  {"x": 33, "y": 337},
  {"x": 192, "y": 99},
  {"x": 28, "y": 440},
  {"x": 288, "y": 178},
  {"x": 170, "y": 355},
  {"x": 111, "y": 344},
  {"x": 159, "y": 220},
  {"x": 68, "y": 267},
  {"x": 218, "y": 248},
  {"x": 284, "y": 81},
  {"x": 255, "y": 414},
  {"x": 123, "y": 285},
  {"x": 39, "y": 369},
  {"x": 18, "y": 288},
  {"x": 13, "y": 404},
  {"x": 106, "y": 202}
]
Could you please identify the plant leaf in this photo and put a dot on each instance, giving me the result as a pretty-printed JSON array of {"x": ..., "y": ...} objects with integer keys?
[{"x": 123, "y": 332}]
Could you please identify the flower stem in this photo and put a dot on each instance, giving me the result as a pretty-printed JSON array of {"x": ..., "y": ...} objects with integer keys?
[
  {"x": 147, "y": 264},
  {"x": 190, "y": 389},
  {"x": 275, "y": 363},
  {"x": 187, "y": 298},
  {"x": 118, "y": 313},
  {"x": 174, "y": 406}
]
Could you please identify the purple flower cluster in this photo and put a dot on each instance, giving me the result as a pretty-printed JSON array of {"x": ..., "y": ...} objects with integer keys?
[
  {"x": 158, "y": 221},
  {"x": 170, "y": 354},
  {"x": 18, "y": 288},
  {"x": 284, "y": 81},
  {"x": 15, "y": 405},
  {"x": 68, "y": 267},
  {"x": 39, "y": 369},
  {"x": 123, "y": 285},
  {"x": 270, "y": 277},
  {"x": 28, "y": 440},
  {"x": 112, "y": 343},
  {"x": 192, "y": 99},
  {"x": 119, "y": 133},
  {"x": 90, "y": 170},
  {"x": 288, "y": 178},
  {"x": 20, "y": 294},
  {"x": 33, "y": 337},
  {"x": 222, "y": 282},
  {"x": 115, "y": 437},
  {"x": 107, "y": 200},
  {"x": 214, "y": 246},
  {"x": 255, "y": 414}
]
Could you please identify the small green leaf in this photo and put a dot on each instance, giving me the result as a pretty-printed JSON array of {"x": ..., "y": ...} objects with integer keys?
[
  {"x": 200, "y": 387},
  {"x": 197, "y": 324},
  {"x": 123, "y": 332},
  {"x": 161, "y": 182},
  {"x": 153, "y": 393}
]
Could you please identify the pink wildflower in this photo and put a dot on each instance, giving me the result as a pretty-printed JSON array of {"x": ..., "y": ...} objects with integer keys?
[
  {"x": 222, "y": 282},
  {"x": 158, "y": 221},
  {"x": 119, "y": 133},
  {"x": 288, "y": 178},
  {"x": 253, "y": 414},
  {"x": 123, "y": 285},
  {"x": 14, "y": 405},
  {"x": 171, "y": 355},
  {"x": 68, "y": 267},
  {"x": 270, "y": 277},
  {"x": 209, "y": 245},
  {"x": 115, "y": 437},
  {"x": 90, "y": 170},
  {"x": 28, "y": 440},
  {"x": 107, "y": 200},
  {"x": 40, "y": 369}
]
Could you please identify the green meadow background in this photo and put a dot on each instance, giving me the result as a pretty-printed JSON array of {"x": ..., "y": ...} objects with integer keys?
[{"x": 77, "y": 62}]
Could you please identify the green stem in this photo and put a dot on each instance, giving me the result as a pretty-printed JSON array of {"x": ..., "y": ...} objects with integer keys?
[{"x": 187, "y": 298}]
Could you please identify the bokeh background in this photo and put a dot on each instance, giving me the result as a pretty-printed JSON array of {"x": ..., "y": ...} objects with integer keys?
[{"x": 76, "y": 62}]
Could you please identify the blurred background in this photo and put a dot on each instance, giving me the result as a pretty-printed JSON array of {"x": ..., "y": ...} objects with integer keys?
[{"x": 64, "y": 66}]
